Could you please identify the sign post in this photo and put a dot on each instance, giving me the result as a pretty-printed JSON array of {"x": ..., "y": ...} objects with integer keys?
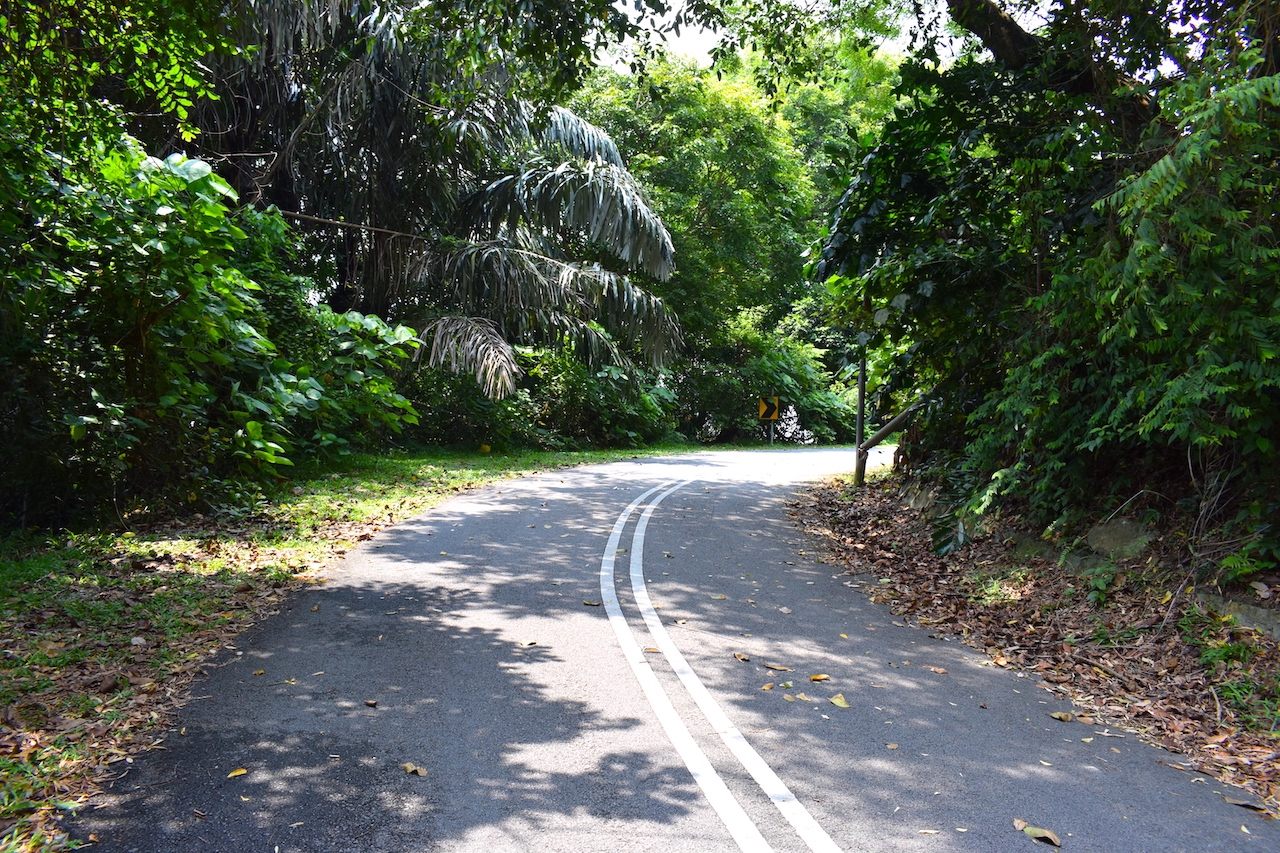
[{"x": 768, "y": 411}]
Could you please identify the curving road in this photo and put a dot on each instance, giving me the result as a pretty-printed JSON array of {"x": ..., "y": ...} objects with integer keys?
[{"x": 561, "y": 655}]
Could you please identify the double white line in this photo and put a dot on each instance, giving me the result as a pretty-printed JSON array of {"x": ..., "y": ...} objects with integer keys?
[{"x": 736, "y": 820}]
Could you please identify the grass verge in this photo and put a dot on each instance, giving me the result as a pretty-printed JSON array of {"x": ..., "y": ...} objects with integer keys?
[{"x": 102, "y": 631}]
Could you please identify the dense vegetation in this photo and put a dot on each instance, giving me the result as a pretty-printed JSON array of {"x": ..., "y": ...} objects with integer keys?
[
  {"x": 242, "y": 238},
  {"x": 235, "y": 238},
  {"x": 1070, "y": 239},
  {"x": 238, "y": 236}
]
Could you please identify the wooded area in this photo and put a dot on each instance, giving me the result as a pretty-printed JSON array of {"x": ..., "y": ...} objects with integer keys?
[
  {"x": 1062, "y": 230},
  {"x": 240, "y": 236}
]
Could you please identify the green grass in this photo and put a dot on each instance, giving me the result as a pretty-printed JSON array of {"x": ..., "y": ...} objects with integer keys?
[
  {"x": 1226, "y": 652},
  {"x": 1006, "y": 585},
  {"x": 100, "y": 629}
]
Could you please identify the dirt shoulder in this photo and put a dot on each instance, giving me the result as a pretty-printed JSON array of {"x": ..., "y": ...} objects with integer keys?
[{"x": 1126, "y": 640}]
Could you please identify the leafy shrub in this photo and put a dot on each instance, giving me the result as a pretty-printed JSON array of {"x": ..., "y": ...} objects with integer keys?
[
  {"x": 135, "y": 352},
  {"x": 717, "y": 392},
  {"x": 560, "y": 403}
]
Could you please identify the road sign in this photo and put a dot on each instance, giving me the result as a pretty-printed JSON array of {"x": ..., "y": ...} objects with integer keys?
[{"x": 768, "y": 408}]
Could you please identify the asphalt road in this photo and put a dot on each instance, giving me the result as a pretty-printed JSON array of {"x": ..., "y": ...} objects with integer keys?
[{"x": 558, "y": 655}]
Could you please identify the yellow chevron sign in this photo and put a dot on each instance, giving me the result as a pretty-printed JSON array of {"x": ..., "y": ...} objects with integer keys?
[{"x": 768, "y": 408}]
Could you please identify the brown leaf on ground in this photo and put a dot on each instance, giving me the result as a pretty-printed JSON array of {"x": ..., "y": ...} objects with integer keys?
[
  {"x": 742, "y": 657},
  {"x": 1127, "y": 665}
]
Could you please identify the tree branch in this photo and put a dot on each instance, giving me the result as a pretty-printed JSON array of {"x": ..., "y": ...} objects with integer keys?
[
  {"x": 1009, "y": 43},
  {"x": 358, "y": 226}
]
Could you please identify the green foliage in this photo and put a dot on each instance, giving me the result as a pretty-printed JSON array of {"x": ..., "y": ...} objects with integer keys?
[
  {"x": 1098, "y": 582},
  {"x": 560, "y": 404},
  {"x": 437, "y": 182},
  {"x": 1092, "y": 294},
  {"x": 725, "y": 179},
  {"x": 60, "y": 57},
  {"x": 600, "y": 408},
  {"x": 717, "y": 392},
  {"x": 135, "y": 351}
]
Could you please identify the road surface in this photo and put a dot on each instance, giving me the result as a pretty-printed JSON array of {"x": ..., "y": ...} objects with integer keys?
[{"x": 561, "y": 657}]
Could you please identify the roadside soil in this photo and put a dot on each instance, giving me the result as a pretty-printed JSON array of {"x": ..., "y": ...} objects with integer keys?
[{"x": 1141, "y": 655}]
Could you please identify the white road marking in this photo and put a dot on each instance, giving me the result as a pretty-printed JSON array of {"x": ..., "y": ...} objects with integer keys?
[
  {"x": 735, "y": 819},
  {"x": 792, "y": 809}
]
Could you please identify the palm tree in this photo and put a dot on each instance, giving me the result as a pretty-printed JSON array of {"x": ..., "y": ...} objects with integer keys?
[{"x": 433, "y": 194}]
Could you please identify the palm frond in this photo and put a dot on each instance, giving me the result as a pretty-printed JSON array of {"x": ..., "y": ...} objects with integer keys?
[
  {"x": 529, "y": 291},
  {"x": 473, "y": 345},
  {"x": 599, "y": 201},
  {"x": 580, "y": 137}
]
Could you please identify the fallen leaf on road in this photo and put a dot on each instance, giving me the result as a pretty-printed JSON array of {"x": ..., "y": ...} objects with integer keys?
[
  {"x": 315, "y": 608},
  {"x": 1037, "y": 833},
  {"x": 371, "y": 703},
  {"x": 652, "y": 650},
  {"x": 788, "y": 697},
  {"x": 927, "y": 831},
  {"x": 719, "y": 596},
  {"x": 1086, "y": 740},
  {"x": 768, "y": 686},
  {"x": 890, "y": 746},
  {"x": 839, "y": 701},
  {"x": 786, "y": 685},
  {"x": 258, "y": 672},
  {"x": 740, "y": 656},
  {"x": 805, "y": 697},
  {"x": 239, "y": 771},
  {"x": 1063, "y": 716},
  {"x": 821, "y": 676},
  {"x": 590, "y": 603},
  {"x": 844, "y": 636},
  {"x": 527, "y": 643},
  {"x": 682, "y": 621},
  {"x": 936, "y": 669},
  {"x": 1045, "y": 763},
  {"x": 785, "y": 610},
  {"x": 777, "y": 667},
  {"x": 413, "y": 769}
]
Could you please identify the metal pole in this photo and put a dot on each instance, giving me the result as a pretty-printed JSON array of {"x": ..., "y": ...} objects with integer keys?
[{"x": 860, "y": 468}]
